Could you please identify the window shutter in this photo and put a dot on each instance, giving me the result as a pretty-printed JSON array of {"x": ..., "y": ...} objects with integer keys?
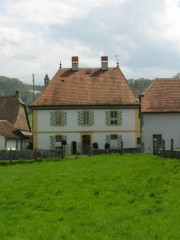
[
  {"x": 79, "y": 118},
  {"x": 64, "y": 118},
  {"x": 119, "y": 117},
  {"x": 52, "y": 142},
  {"x": 108, "y": 139},
  {"x": 52, "y": 119},
  {"x": 65, "y": 137},
  {"x": 119, "y": 139},
  {"x": 108, "y": 118},
  {"x": 92, "y": 118}
]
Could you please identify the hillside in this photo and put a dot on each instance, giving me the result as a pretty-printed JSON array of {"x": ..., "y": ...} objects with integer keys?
[
  {"x": 131, "y": 196},
  {"x": 9, "y": 86}
]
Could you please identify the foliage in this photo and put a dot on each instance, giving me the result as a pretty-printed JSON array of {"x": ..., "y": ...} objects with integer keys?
[
  {"x": 142, "y": 84},
  {"x": 102, "y": 197}
]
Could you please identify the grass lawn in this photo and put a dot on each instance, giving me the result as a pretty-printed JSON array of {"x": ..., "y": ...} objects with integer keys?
[{"x": 131, "y": 196}]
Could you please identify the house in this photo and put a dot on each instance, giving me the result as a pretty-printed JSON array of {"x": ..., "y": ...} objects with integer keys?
[
  {"x": 11, "y": 137},
  {"x": 160, "y": 113},
  {"x": 14, "y": 124},
  {"x": 86, "y": 106}
]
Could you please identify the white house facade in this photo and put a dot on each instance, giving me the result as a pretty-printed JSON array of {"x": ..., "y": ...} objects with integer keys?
[
  {"x": 86, "y": 126},
  {"x": 86, "y": 107}
]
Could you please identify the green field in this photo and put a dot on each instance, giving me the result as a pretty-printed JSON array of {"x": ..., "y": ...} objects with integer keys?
[{"x": 131, "y": 196}]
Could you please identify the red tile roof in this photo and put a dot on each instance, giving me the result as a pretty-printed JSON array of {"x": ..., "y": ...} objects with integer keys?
[
  {"x": 9, "y": 131},
  {"x": 91, "y": 86},
  {"x": 163, "y": 95},
  {"x": 14, "y": 111}
]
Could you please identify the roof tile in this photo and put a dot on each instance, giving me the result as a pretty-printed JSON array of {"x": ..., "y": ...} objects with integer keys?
[{"x": 163, "y": 95}]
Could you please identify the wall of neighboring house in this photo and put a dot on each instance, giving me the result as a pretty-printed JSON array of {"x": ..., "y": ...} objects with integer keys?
[
  {"x": 99, "y": 128},
  {"x": 163, "y": 126},
  {"x": 15, "y": 144},
  {"x": 2, "y": 142}
]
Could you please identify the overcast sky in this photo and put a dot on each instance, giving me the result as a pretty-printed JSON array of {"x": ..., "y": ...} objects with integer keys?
[{"x": 36, "y": 34}]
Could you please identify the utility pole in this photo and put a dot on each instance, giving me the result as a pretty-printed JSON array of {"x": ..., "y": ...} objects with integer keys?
[{"x": 33, "y": 87}]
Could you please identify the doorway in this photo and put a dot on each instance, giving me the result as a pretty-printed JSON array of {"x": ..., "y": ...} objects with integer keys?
[{"x": 86, "y": 144}]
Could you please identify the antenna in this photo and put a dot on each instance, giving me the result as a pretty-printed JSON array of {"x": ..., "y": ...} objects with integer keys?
[
  {"x": 60, "y": 65},
  {"x": 117, "y": 57},
  {"x": 33, "y": 87}
]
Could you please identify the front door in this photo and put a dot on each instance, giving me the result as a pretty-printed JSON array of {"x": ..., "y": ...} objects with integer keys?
[{"x": 86, "y": 141}]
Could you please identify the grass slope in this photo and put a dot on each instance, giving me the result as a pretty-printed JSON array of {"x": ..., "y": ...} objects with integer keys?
[{"x": 103, "y": 197}]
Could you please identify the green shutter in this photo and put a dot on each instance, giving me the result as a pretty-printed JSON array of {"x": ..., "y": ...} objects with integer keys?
[
  {"x": 52, "y": 119},
  {"x": 108, "y": 139},
  {"x": 80, "y": 118},
  {"x": 119, "y": 139},
  {"x": 119, "y": 117},
  {"x": 52, "y": 142},
  {"x": 64, "y": 118},
  {"x": 108, "y": 118},
  {"x": 92, "y": 118},
  {"x": 65, "y": 137}
]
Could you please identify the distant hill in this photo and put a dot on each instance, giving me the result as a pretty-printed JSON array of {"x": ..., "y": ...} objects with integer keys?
[
  {"x": 9, "y": 86},
  {"x": 177, "y": 75},
  {"x": 142, "y": 84}
]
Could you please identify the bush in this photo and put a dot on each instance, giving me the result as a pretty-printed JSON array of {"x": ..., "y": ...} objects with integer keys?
[
  {"x": 95, "y": 145},
  {"x": 107, "y": 146}
]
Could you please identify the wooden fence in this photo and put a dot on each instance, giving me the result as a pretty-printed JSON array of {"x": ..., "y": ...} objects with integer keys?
[
  {"x": 29, "y": 154},
  {"x": 160, "y": 150}
]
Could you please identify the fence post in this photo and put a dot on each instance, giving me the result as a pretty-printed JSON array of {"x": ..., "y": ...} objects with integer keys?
[
  {"x": 163, "y": 146},
  {"x": 122, "y": 147},
  {"x": 10, "y": 153},
  {"x": 172, "y": 147},
  {"x": 35, "y": 154},
  {"x": 63, "y": 151}
]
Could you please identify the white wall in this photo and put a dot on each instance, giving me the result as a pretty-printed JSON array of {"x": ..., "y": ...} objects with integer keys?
[
  {"x": 97, "y": 132},
  {"x": 166, "y": 124},
  {"x": 2, "y": 142},
  {"x": 128, "y": 121}
]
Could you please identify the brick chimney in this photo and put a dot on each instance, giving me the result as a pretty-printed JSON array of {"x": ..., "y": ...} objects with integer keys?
[
  {"x": 104, "y": 63},
  {"x": 136, "y": 89},
  {"x": 46, "y": 80},
  {"x": 18, "y": 94},
  {"x": 75, "y": 63}
]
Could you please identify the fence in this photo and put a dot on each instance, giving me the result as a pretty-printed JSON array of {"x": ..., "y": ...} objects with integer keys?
[
  {"x": 159, "y": 149},
  {"x": 29, "y": 154},
  {"x": 118, "y": 150}
]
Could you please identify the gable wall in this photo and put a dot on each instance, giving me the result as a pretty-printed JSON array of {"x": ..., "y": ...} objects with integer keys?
[{"x": 166, "y": 124}]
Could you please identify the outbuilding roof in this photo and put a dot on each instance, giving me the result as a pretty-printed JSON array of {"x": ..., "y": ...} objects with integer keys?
[
  {"x": 163, "y": 95},
  {"x": 9, "y": 131},
  {"x": 14, "y": 111}
]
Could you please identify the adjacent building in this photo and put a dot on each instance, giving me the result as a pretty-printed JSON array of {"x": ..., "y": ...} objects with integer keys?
[
  {"x": 14, "y": 124},
  {"x": 160, "y": 113},
  {"x": 84, "y": 107}
]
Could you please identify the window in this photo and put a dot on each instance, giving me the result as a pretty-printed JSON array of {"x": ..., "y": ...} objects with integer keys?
[
  {"x": 58, "y": 118},
  {"x": 113, "y": 137},
  {"x": 114, "y": 142},
  {"x": 86, "y": 118},
  {"x": 58, "y": 141},
  {"x": 114, "y": 118},
  {"x": 58, "y": 138}
]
